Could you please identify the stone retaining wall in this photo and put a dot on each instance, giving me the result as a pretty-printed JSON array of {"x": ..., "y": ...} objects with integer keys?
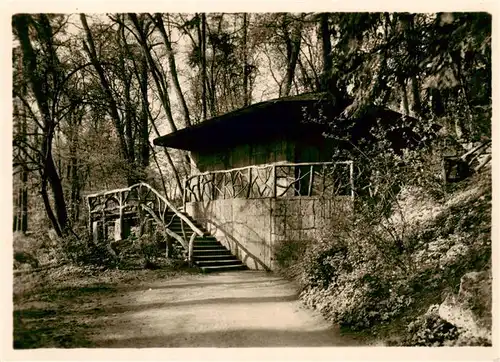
[{"x": 253, "y": 228}]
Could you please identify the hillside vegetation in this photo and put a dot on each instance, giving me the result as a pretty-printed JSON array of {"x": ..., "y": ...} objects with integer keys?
[{"x": 420, "y": 276}]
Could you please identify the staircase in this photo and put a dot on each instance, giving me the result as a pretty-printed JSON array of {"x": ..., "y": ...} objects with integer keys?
[
  {"x": 208, "y": 253},
  {"x": 202, "y": 250}
]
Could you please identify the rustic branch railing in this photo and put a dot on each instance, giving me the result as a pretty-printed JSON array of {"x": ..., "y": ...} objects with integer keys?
[
  {"x": 132, "y": 200},
  {"x": 321, "y": 179}
]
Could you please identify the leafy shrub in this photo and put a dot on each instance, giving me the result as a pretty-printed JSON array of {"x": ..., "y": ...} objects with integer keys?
[
  {"x": 430, "y": 330},
  {"x": 23, "y": 257},
  {"x": 375, "y": 272},
  {"x": 326, "y": 263},
  {"x": 82, "y": 251},
  {"x": 287, "y": 254},
  {"x": 149, "y": 249},
  {"x": 34, "y": 249}
]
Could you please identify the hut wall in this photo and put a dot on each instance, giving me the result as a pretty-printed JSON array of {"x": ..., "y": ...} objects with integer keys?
[{"x": 245, "y": 155}]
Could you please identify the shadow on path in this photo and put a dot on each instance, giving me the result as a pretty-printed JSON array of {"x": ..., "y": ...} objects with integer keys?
[
  {"x": 226, "y": 310},
  {"x": 236, "y": 338},
  {"x": 202, "y": 284}
]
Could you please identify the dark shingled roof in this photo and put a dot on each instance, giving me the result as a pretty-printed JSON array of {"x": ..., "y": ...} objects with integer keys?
[
  {"x": 282, "y": 117},
  {"x": 285, "y": 118}
]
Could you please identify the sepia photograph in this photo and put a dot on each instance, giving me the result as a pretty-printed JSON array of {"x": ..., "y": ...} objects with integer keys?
[{"x": 256, "y": 179}]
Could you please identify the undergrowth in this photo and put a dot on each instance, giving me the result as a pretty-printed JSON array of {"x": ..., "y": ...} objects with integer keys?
[
  {"x": 38, "y": 250},
  {"x": 380, "y": 273}
]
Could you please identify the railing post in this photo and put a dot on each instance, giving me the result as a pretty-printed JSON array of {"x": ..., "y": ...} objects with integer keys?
[
  {"x": 184, "y": 194},
  {"x": 90, "y": 216},
  {"x": 311, "y": 179},
  {"x": 103, "y": 218},
  {"x": 324, "y": 181},
  {"x": 190, "y": 248},
  {"x": 213, "y": 188},
  {"x": 275, "y": 184},
  {"x": 198, "y": 184},
  {"x": 224, "y": 185},
  {"x": 249, "y": 191},
  {"x": 120, "y": 200},
  {"x": 351, "y": 169}
]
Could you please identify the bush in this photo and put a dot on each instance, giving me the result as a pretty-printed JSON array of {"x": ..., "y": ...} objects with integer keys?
[
  {"x": 23, "y": 257},
  {"x": 149, "y": 250},
  {"x": 33, "y": 250},
  {"x": 82, "y": 251},
  {"x": 392, "y": 263},
  {"x": 430, "y": 330},
  {"x": 287, "y": 254}
]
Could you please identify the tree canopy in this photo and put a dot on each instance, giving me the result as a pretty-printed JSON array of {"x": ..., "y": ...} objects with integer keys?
[{"x": 90, "y": 92}]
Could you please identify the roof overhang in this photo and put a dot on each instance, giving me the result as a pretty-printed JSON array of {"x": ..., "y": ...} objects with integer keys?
[{"x": 288, "y": 117}]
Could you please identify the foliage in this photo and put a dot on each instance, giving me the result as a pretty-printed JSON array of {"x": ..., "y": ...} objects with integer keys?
[
  {"x": 103, "y": 103},
  {"x": 149, "y": 249},
  {"x": 430, "y": 330},
  {"x": 389, "y": 266},
  {"x": 88, "y": 102},
  {"x": 286, "y": 253}
]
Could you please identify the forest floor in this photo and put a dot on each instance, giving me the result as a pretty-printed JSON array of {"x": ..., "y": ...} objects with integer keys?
[{"x": 71, "y": 307}]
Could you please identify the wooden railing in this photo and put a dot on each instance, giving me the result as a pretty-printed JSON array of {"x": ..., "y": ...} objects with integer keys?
[
  {"x": 321, "y": 179},
  {"x": 141, "y": 197}
]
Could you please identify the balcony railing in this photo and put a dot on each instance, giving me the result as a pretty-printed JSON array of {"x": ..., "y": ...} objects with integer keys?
[{"x": 314, "y": 179}]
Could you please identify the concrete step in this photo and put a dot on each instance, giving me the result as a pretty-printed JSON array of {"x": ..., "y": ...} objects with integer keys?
[
  {"x": 208, "y": 253},
  {"x": 206, "y": 242},
  {"x": 223, "y": 268},
  {"x": 205, "y": 238},
  {"x": 208, "y": 257},
  {"x": 232, "y": 261},
  {"x": 178, "y": 223},
  {"x": 208, "y": 246},
  {"x": 213, "y": 251},
  {"x": 178, "y": 229}
]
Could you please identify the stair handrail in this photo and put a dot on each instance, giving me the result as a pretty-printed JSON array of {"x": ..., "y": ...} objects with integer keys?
[
  {"x": 165, "y": 229},
  {"x": 188, "y": 245},
  {"x": 174, "y": 209},
  {"x": 160, "y": 196}
]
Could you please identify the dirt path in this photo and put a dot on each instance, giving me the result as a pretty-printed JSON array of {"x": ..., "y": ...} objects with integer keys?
[{"x": 238, "y": 309}]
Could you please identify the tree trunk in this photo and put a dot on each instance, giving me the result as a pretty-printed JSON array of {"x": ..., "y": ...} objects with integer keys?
[
  {"x": 90, "y": 50},
  {"x": 21, "y": 210},
  {"x": 406, "y": 108},
  {"x": 161, "y": 84},
  {"x": 408, "y": 27},
  {"x": 292, "y": 42},
  {"x": 307, "y": 80},
  {"x": 326, "y": 51},
  {"x": 417, "y": 103},
  {"x": 49, "y": 171},
  {"x": 169, "y": 160},
  {"x": 73, "y": 172},
  {"x": 48, "y": 207},
  {"x": 202, "y": 40},
  {"x": 144, "y": 124},
  {"x": 173, "y": 68},
  {"x": 130, "y": 121},
  {"x": 52, "y": 175},
  {"x": 246, "y": 100},
  {"x": 144, "y": 95}
]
